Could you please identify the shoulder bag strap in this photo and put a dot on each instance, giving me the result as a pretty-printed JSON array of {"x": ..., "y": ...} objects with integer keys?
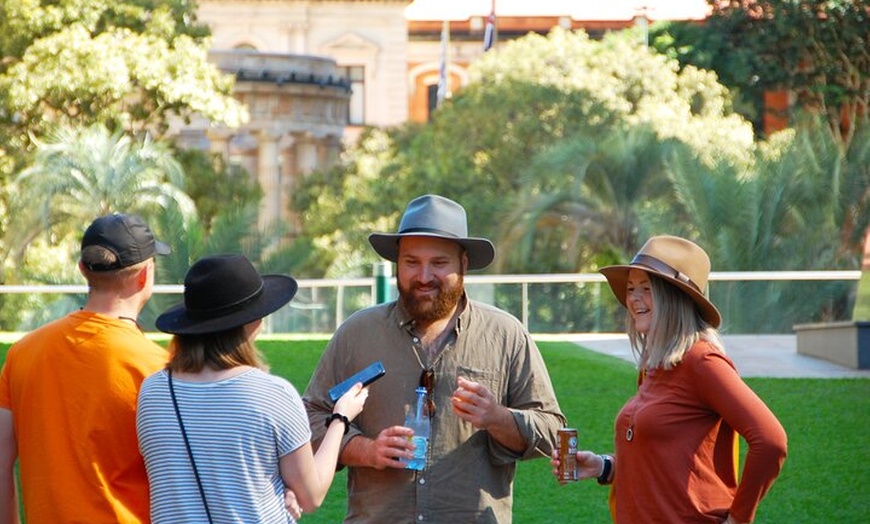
[{"x": 187, "y": 445}]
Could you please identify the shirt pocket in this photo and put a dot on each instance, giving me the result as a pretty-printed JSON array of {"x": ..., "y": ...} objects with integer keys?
[{"x": 491, "y": 379}]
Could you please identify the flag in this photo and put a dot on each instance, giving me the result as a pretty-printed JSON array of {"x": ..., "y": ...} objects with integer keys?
[
  {"x": 443, "y": 80},
  {"x": 489, "y": 32}
]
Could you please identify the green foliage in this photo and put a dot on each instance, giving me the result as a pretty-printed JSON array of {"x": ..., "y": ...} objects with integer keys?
[
  {"x": 630, "y": 83},
  {"x": 818, "y": 49},
  {"x": 861, "y": 312},
  {"x": 234, "y": 229},
  {"x": 80, "y": 174},
  {"x": 213, "y": 184},
  {"x": 588, "y": 195},
  {"x": 126, "y": 63},
  {"x": 801, "y": 205},
  {"x": 557, "y": 128},
  {"x": 707, "y": 46}
]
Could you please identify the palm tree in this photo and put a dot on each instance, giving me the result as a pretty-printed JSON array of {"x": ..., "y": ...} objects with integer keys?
[
  {"x": 80, "y": 174},
  {"x": 794, "y": 209},
  {"x": 585, "y": 199}
]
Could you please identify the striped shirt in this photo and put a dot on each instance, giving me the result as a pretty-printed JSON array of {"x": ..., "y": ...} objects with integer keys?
[{"x": 238, "y": 428}]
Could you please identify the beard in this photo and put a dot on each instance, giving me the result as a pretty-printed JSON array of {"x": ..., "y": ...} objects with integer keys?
[{"x": 430, "y": 309}]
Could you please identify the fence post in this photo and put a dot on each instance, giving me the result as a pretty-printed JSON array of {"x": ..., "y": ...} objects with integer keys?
[{"x": 383, "y": 271}]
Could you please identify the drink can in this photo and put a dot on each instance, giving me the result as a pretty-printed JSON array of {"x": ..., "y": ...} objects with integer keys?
[{"x": 568, "y": 454}]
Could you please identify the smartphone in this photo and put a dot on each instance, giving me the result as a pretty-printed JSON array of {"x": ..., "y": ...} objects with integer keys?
[{"x": 367, "y": 375}]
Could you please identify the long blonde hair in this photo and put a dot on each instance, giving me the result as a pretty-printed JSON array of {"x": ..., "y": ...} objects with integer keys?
[{"x": 676, "y": 325}]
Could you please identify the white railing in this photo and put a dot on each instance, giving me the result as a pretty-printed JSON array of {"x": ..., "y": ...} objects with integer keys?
[{"x": 333, "y": 299}]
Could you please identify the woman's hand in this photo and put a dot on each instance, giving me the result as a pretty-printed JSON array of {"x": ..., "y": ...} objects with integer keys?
[
  {"x": 589, "y": 465},
  {"x": 351, "y": 403}
]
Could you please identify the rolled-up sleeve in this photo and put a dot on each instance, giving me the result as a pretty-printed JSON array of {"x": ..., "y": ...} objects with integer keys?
[{"x": 527, "y": 392}]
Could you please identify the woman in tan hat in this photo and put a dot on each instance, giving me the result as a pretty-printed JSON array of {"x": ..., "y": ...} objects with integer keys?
[
  {"x": 675, "y": 444},
  {"x": 222, "y": 438}
]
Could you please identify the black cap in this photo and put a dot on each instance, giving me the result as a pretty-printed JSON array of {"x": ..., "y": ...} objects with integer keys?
[{"x": 127, "y": 236}]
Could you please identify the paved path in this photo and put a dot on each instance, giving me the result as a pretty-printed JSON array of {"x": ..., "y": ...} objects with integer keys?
[{"x": 754, "y": 355}]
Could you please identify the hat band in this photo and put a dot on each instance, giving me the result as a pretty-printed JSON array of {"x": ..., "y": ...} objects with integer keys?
[
  {"x": 412, "y": 230},
  {"x": 204, "y": 314},
  {"x": 657, "y": 265}
]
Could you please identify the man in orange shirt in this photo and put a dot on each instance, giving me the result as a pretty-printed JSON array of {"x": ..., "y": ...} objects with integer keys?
[{"x": 68, "y": 391}]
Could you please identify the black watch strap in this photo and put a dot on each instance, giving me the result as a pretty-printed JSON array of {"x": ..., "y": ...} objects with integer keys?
[{"x": 604, "y": 478}]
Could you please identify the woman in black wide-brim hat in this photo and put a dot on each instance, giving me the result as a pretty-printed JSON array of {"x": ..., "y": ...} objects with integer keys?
[
  {"x": 222, "y": 437},
  {"x": 675, "y": 441}
]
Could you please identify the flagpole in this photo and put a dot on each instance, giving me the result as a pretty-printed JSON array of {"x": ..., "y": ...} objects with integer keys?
[{"x": 443, "y": 69}]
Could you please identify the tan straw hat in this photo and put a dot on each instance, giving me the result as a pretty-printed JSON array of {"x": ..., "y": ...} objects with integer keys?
[{"x": 676, "y": 260}]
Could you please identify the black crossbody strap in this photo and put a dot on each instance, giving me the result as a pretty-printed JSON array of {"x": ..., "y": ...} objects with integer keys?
[{"x": 187, "y": 445}]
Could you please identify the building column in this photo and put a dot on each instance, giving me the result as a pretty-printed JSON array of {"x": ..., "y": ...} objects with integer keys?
[
  {"x": 269, "y": 176},
  {"x": 298, "y": 38},
  {"x": 287, "y": 158},
  {"x": 306, "y": 154},
  {"x": 219, "y": 142},
  {"x": 332, "y": 150}
]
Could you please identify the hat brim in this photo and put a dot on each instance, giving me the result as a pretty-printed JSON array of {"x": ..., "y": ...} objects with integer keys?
[
  {"x": 162, "y": 248},
  {"x": 278, "y": 290},
  {"x": 480, "y": 251},
  {"x": 617, "y": 277}
]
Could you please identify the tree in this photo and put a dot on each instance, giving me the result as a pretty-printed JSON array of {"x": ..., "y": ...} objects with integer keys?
[
  {"x": 588, "y": 200},
  {"x": 214, "y": 184},
  {"x": 513, "y": 132},
  {"x": 128, "y": 64},
  {"x": 803, "y": 205},
  {"x": 81, "y": 174},
  {"x": 817, "y": 49}
]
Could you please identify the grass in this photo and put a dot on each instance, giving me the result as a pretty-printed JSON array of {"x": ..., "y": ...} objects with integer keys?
[{"x": 826, "y": 477}]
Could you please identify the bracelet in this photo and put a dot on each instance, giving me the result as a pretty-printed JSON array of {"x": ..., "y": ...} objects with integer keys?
[
  {"x": 340, "y": 417},
  {"x": 604, "y": 478}
]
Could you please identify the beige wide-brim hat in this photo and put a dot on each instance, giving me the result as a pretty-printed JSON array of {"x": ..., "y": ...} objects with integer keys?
[
  {"x": 677, "y": 260},
  {"x": 439, "y": 217}
]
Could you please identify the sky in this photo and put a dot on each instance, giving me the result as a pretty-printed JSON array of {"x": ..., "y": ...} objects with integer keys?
[{"x": 577, "y": 9}]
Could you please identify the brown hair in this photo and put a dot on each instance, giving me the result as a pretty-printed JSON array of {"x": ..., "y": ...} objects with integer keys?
[
  {"x": 220, "y": 350},
  {"x": 112, "y": 280}
]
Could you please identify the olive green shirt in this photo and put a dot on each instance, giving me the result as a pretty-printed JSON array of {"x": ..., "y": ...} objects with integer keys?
[{"x": 468, "y": 476}]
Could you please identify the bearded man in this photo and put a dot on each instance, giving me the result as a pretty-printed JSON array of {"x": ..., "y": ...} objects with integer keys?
[{"x": 491, "y": 399}]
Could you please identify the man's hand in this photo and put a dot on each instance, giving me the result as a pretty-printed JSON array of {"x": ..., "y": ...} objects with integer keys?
[
  {"x": 475, "y": 404},
  {"x": 384, "y": 451}
]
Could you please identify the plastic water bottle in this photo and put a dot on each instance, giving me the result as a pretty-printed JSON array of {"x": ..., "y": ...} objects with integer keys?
[{"x": 418, "y": 420}]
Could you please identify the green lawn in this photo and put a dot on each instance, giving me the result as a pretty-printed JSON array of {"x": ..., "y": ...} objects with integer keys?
[{"x": 826, "y": 477}]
